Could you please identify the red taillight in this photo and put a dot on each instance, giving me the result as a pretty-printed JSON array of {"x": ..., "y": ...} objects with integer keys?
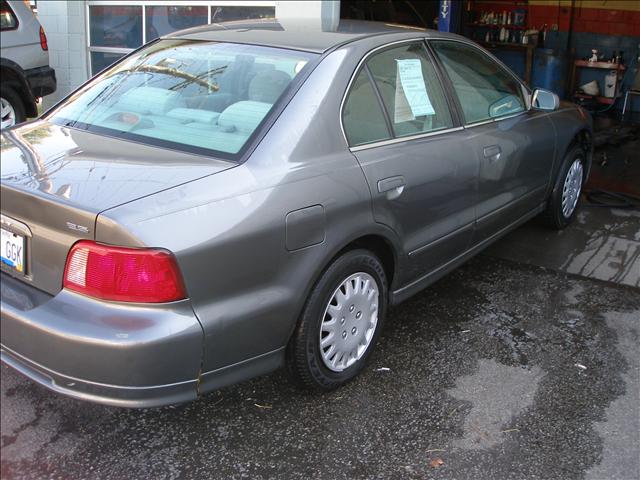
[
  {"x": 43, "y": 40},
  {"x": 144, "y": 275}
]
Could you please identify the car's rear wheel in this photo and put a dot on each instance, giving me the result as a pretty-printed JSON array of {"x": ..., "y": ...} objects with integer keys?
[
  {"x": 11, "y": 108},
  {"x": 340, "y": 322},
  {"x": 563, "y": 202}
]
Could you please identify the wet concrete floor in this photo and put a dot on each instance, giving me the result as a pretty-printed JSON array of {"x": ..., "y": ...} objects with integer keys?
[
  {"x": 602, "y": 243},
  {"x": 499, "y": 371}
]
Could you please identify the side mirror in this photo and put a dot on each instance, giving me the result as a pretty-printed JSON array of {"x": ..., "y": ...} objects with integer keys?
[{"x": 544, "y": 100}]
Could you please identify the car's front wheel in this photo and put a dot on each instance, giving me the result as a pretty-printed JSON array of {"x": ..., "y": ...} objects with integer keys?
[
  {"x": 340, "y": 322},
  {"x": 11, "y": 108},
  {"x": 563, "y": 202}
]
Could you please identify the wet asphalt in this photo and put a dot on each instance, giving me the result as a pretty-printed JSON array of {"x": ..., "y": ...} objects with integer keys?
[{"x": 499, "y": 371}]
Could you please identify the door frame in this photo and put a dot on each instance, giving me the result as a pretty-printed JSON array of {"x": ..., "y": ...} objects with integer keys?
[{"x": 454, "y": 109}]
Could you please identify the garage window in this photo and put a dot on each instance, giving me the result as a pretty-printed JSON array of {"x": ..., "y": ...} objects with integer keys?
[
  {"x": 117, "y": 27},
  {"x": 162, "y": 20}
]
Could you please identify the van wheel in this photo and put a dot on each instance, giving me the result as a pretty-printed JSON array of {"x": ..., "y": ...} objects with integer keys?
[
  {"x": 563, "y": 202},
  {"x": 340, "y": 323},
  {"x": 11, "y": 108}
]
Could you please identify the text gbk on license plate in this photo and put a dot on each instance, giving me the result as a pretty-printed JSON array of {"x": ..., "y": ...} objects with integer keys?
[{"x": 12, "y": 250}]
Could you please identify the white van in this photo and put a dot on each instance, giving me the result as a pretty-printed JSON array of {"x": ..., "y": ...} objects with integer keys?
[{"x": 25, "y": 73}]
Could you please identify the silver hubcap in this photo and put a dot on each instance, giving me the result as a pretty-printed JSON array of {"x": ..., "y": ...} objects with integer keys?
[
  {"x": 349, "y": 322},
  {"x": 8, "y": 114},
  {"x": 571, "y": 188}
]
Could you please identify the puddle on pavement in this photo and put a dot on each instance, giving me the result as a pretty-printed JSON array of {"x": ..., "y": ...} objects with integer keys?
[
  {"x": 603, "y": 243},
  {"x": 488, "y": 423},
  {"x": 554, "y": 372},
  {"x": 608, "y": 251},
  {"x": 620, "y": 427},
  {"x": 481, "y": 368},
  {"x": 607, "y": 257}
]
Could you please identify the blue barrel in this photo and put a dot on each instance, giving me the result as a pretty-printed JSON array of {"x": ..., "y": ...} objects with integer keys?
[
  {"x": 549, "y": 70},
  {"x": 515, "y": 60}
]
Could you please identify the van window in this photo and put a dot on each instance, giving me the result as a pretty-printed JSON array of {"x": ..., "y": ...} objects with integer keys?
[{"x": 8, "y": 20}]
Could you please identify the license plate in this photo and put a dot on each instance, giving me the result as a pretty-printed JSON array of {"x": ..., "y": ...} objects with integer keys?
[{"x": 12, "y": 250}]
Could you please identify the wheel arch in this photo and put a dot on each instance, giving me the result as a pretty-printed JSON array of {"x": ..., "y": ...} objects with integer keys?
[
  {"x": 583, "y": 137},
  {"x": 381, "y": 243},
  {"x": 13, "y": 76},
  {"x": 378, "y": 245}
]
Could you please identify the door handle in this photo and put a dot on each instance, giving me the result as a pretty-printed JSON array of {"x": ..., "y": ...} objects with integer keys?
[
  {"x": 492, "y": 152},
  {"x": 392, "y": 186}
]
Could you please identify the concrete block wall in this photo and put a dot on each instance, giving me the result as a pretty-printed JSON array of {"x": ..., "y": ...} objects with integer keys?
[{"x": 64, "y": 24}]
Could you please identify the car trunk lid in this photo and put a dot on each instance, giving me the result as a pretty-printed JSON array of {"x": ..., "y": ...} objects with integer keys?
[{"x": 56, "y": 180}]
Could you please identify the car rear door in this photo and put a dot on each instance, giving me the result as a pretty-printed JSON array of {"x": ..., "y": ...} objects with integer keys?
[
  {"x": 402, "y": 128},
  {"x": 515, "y": 146}
]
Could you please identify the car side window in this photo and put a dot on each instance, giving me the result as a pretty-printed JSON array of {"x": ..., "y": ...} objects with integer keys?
[
  {"x": 8, "y": 20},
  {"x": 413, "y": 97},
  {"x": 485, "y": 90},
  {"x": 362, "y": 117}
]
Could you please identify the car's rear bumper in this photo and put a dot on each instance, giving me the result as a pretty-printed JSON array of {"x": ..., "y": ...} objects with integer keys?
[
  {"x": 109, "y": 353},
  {"x": 115, "y": 395},
  {"x": 42, "y": 80}
]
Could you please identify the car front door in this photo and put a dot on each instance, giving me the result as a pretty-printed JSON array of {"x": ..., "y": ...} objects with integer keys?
[
  {"x": 421, "y": 173},
  {"x": 515, "y": 146}
]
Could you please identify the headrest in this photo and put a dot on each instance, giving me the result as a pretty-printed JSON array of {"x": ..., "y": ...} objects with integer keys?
[
  {"x": 149, "y": 100},
  {"x": 186, "y": 115},
  {"x": 243, "y": 116},
  {"x": 267, "y": 86}
]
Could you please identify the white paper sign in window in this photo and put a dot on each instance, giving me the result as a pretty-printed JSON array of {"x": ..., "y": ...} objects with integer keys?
[{"x": 411, "y": 99}]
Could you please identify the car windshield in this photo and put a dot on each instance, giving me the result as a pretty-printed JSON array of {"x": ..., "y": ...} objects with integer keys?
[{"x": 202, "y": 97}]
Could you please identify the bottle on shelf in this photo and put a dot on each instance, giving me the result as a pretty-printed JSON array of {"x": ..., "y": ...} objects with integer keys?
[{"x": 503, "y": 34}]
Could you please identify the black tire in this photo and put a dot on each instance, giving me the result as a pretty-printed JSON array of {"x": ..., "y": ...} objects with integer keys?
[
  {"x": 10, "y": 95},
  {"x": 304, "y": 360},
  {"x": 553, "y": 216}
]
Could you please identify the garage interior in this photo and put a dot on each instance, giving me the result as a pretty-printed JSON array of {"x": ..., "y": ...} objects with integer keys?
[{"x": 551, "y": 44}]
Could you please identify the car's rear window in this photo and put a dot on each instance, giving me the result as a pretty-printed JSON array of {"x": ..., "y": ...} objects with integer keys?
[{"x": 202, "y": 97}]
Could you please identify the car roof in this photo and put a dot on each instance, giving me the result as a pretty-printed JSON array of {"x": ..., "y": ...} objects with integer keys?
[{"x": 296, "y": 36}]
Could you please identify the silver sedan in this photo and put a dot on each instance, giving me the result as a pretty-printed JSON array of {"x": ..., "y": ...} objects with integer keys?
[{"x": 229, "y": 200}]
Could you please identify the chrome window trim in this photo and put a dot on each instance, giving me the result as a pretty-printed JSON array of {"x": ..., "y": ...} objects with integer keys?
[
  {"x": 477, "y": 124},
  {"x": 513, "y": 115},
  {"x": 348, "y": 89},
  {"x": 122, "y": 50},
  {"x": 526, "y": 94},
  {"x": 391, "y": 141},
  {"x": 495, "y": 119}
]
